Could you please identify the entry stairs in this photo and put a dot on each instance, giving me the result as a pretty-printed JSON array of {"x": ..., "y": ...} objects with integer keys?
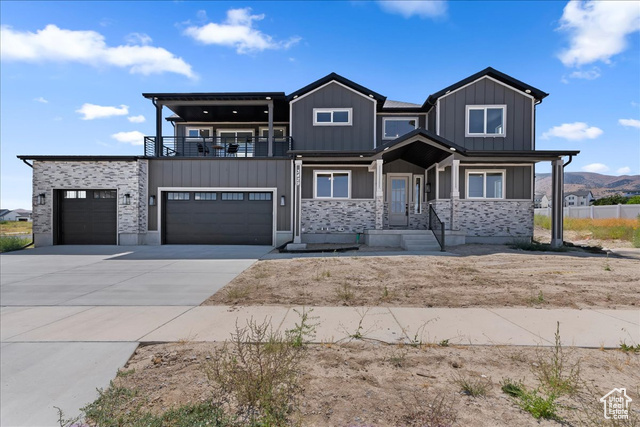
[{"x": 418, "y": 240}]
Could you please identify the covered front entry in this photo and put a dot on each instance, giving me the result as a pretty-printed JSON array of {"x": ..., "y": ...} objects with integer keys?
[
  {"x": 86, "y": 217},
  {"x": 217, "y": 218}
]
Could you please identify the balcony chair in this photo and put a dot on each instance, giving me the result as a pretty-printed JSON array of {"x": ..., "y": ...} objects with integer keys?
[{"x": 203, "y": 150}]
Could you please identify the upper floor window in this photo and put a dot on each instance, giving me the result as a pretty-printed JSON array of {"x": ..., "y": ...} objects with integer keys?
[
  {"x": 278, "y": 132},
  {"x": 485, "y": 184},
  {"x": 486, "y": 120},
  {"x": 331, "y": 184},
  {"x": 332, "y": 116},
  {"x": 393, "y": 127}
]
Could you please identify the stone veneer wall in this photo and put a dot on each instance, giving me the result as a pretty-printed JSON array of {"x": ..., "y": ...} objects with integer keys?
[
  {"x": 124, "y": 176},
  {"x": 495, "y": 218},
  {"x": 337, "y": 216}
]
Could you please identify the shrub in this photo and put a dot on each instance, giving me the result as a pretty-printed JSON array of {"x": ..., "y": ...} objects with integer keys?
[
  {"x": 13, "y": 243},
  {"x": 635, "y": 200},
  {"x": 554, "y": 371}
]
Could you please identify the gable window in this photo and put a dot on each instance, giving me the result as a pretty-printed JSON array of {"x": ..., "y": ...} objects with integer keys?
[
  {"x": 393, "y": 127},
  {"x": 332, "y": 116},
  {"x": 331, "y": 184},
  {"x": 485, "y": 184},
  {"x": 486, "y": 120}
]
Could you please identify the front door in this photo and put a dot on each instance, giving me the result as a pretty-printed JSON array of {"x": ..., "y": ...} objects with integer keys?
[{"x": 397, "y": 190}]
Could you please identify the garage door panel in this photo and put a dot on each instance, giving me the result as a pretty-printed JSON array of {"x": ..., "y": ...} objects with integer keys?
[
  {"x": 223, "y": 222},
  {"x": 87, "y": 220}
]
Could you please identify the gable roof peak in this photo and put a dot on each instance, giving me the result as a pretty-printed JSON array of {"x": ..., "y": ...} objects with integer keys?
[{"x": 333, "y": 76}]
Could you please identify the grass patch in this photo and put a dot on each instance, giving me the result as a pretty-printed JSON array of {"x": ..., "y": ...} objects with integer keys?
[
  {"x": 10, "y": 227},
  {"x": 554, "y": 371},
  {"x": 629, "y": 348},
  {"x": 345, "y": 293},
  {"x": 602, "y": 229},
  {"x": 237, "y": 293},
  {"x": 537, "y": 405},
  {"x": 474, "y": 387},
  {"x": 13, "y": 243}
]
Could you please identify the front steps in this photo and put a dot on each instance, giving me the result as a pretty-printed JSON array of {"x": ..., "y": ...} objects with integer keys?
[{"x": 410, "y": 240}]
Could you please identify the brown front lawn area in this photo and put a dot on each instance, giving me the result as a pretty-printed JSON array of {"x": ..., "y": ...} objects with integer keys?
[{"x": 481, "y": 276}]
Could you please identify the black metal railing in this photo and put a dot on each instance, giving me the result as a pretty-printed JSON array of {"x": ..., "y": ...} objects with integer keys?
[
  {"x": 216, "y": 146},
  {"x": 436, "y": 226}
]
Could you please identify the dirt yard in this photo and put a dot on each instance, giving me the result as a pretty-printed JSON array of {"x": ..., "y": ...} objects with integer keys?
[
  {"x": 371, "y": 384},
  {"x": 480, "y": 276}
]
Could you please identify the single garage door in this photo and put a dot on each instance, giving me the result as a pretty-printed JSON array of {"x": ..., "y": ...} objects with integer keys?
[
  {"x": 87, "y": 217},
  {"x": 218, "y": 218}
]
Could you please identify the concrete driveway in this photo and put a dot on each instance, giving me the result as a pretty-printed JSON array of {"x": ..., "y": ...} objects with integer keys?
[{"x": 71, "y": 316}]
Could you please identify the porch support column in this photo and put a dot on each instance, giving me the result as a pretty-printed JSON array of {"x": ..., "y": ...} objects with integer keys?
[
  {"x": 557, "y": 202},
  {"x": 158, "y": 145},
  {"x": 297, "y": 223},
  {"x": 455, "y": 193},
  {"x": 379, "y": 195},
  {"x": 270, "y": 136}
]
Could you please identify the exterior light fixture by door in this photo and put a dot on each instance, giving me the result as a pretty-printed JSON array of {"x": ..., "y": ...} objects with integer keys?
[
  {"x": 152, "y": 200},
  {"x": 282, "y": 201},
  {"x": 427, "y": 188},
  {"x": 126, "y": 199},
  {"x": 41, "y": 198}
]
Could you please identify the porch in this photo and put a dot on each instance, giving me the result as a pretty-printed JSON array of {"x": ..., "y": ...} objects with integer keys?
[{"x": 216, "y": 146}]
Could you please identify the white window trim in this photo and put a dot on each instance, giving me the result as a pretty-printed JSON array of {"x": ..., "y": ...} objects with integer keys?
[
  {"x": 417, "y": 178},
  {"x": 332, "y": 110},
  {"x": 484, "y": 173},
  {"x": 198, "y": 128},
  {"x": 261, "y": 128},
  {"x": 220, "y": 130},
  {"x": 326, "y": 172},
  {"x": 485, "y": 134},
  {"x": 384, "y": 126}
]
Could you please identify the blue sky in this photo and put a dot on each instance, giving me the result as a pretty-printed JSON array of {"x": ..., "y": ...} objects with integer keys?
[{"x": 72, "y": 73}]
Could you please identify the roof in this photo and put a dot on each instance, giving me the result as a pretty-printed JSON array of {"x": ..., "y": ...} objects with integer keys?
[
  {"x": 216, "y": 96},
  {"x": 399, "y": 104},
  {"x": 79, "y": 158},
  {"x": 338, "y": 78},
  {"x": 579, "y": 193},
  {"x": 491, "y": 72},
  {"x": 3, "y": 212},
  {"x": 444, "y": 143}
]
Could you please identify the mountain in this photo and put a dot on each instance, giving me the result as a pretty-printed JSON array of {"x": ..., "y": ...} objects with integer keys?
[{"x": 600, "y": 185}]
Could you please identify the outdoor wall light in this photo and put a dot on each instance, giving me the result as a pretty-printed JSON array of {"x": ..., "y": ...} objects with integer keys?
[
  {"x": 427, "y": 188},
  {"x": 282, "y": 201},
  {"x": 152, "y": 200},
  {"x": 126, "y": 199},
  {"x": 41, "y": 198}
]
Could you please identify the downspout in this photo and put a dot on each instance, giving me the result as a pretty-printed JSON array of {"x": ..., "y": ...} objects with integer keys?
[
  {"x": 567, "y": 164},
  {"x": 27, "y": 163},
  {"x": 31, "y": 242}
]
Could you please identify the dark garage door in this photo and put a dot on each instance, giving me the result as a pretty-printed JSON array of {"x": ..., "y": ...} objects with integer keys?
[
  {"x": 87, "y": 217},
  {"x": 218, "y": 218}
]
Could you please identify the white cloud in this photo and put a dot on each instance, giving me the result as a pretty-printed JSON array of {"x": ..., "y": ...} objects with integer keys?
[
  {"x": 138, "y": 38},
  {"x": 623, "y": 170},
  {"x": 630, "y": 123},
  {"x": 595, "y": 167},
  {"x": 237, "y": 31},
  {"x": 93, "y": 111},
  {"x": 41, "y": 99},
  {"x": 53, "y": 44},
  {"x": 409, "y": 8},
  {"x": 133, "y": 137},
  {"x": 592, "y": 74},
  {"x": 598, "y": 29},
  {"x": 137, "y": 119},
  {"x": 573, "y": 131}
]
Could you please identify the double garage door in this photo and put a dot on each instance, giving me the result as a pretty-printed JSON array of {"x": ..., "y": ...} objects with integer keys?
[{"x": 217, "y": 218}]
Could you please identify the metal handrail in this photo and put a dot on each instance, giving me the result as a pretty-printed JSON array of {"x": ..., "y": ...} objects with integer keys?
[
  {"x": 217, "y": 146},
  {"x": 436, "y": 226}
]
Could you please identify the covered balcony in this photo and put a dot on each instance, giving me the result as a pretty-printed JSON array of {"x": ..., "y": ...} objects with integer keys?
[{"x": 236, "y": 125}]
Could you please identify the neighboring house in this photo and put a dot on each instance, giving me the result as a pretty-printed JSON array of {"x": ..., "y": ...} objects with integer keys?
[
  {"x": 579, "y": 198},
  {"x": 540, "y": 201},
  {"x": 331, "y": 162},
  {"x": 15, "y": 215},
  {"x": 631, "y": 193}
]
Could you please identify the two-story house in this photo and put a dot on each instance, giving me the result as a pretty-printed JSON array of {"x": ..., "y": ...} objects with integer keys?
[
  {"x": 331, "y": 162},
  {"x": 579, "y": 198}
]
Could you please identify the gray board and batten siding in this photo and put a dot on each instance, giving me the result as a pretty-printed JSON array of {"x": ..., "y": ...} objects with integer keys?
[
  {"x": 356, "y": 137},
  {"x": 485, "y": 91},
  {"x": 225, "y": 173},
  {"x": 361, "y": 181},
  {"x": 517, "y": 181}
]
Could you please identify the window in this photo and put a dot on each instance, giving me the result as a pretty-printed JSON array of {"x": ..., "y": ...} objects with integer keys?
[
  {"x": 485, "y": 184},
  {"x": 104, "y": 194},
  {"x": 259, "y": 196},
  {"x": 278, "y": 132},
  {"x": 177, "y": 196},
  {"x": 198, "y": 132},
  {"x": 204, "y": 196},
  {"x": 331, "y": 184},
  {"x": 486, "y": 120},
  {"x": 232, "y": 196},
  {"x": 417, "y": 194},
  {"x": 393, "y": 127},
  {"x": 74, "y": 194},
  {"x": 332, "y": 116}
]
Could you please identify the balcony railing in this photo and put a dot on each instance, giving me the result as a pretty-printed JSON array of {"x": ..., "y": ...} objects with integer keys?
[{"x": 216, "y": 146}]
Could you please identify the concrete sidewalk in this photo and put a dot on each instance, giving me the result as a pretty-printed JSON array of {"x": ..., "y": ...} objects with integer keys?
[{"x": 471, "y": 326}]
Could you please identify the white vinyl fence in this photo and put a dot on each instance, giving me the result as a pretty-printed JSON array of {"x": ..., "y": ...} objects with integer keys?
[{"x": 595, "y": 212}]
